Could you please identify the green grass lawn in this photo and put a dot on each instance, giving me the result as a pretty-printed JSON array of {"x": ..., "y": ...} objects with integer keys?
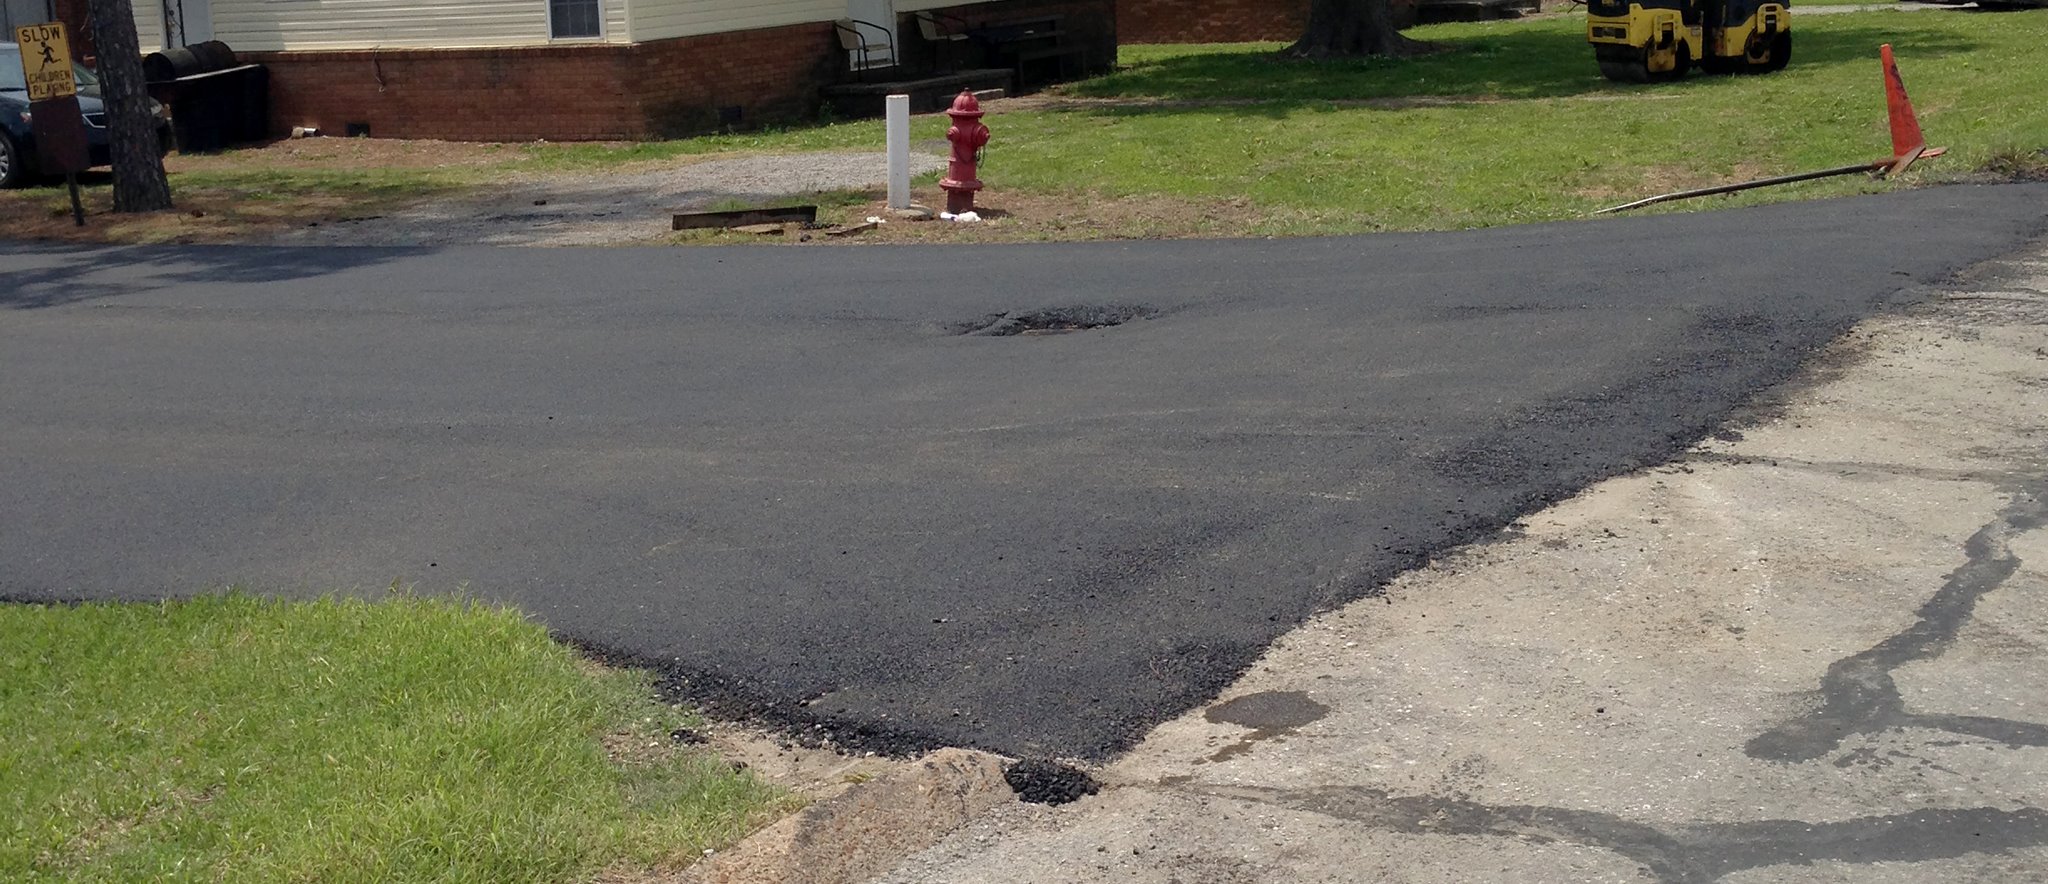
[
  {"x": 1510, "y": 123},
  {"x": 1540, "y": 135},
  {"x": 232, "y": 739}
]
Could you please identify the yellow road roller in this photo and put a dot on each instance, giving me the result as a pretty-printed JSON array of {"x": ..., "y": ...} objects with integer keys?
[{"x": 1641, "y": 41}]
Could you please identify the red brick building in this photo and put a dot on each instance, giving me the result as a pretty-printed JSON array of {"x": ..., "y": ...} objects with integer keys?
[{"x": 518, "y": 70}]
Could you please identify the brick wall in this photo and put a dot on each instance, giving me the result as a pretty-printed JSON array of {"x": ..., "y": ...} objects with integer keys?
[
  {"x": 664, "y": 88},
  {"x": 1091, "y": 25},
  {"x": 482, "y": 95},
  {"x": 559, "y": 93},
  {"x": 769, "y": 75},
  {"x": 1210, "y": 21}
]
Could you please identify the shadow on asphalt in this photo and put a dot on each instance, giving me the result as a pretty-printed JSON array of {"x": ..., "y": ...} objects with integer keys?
[{"x": 55, "y": 275}]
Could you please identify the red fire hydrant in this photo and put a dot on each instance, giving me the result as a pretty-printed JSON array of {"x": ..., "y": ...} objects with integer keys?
[{"x": 968, "y": 136}]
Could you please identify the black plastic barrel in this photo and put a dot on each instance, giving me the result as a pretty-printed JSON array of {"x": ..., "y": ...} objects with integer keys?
[
  {"x": 187, "y": 61},
  {"x": 215, "y": 100}
]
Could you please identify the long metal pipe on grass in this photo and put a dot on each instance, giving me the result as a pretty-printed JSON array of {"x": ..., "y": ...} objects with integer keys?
[{"x": 1750, "y": 185}]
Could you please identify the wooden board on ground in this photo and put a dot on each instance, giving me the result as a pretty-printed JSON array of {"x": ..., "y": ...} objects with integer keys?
[{"x": 745, "y": 217}]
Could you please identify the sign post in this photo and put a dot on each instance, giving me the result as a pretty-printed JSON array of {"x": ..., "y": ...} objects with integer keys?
[
  {"x": 58, "y": 126},
  {"x": 898, "y": 142}
]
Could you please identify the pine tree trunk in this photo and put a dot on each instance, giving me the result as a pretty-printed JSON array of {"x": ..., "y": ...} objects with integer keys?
[
  {"x": 1346, "y": 28},
  {"x": 139, "y": 181}
]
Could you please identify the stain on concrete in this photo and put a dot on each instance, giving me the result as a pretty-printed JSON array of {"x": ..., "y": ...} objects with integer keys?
[
  {"x": 1858, "y": 694},
  {"x": 1875, "y": 472},
  {"x": 1692, "y": 854},
  {"x": 1268, "y": 713}
]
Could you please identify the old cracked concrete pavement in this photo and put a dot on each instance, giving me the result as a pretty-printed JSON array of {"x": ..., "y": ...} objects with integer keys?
[{"x": 1810, "y": 650}]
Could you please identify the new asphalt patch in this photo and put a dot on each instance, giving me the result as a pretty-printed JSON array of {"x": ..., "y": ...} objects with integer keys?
[{"x": 783, "y": 477}]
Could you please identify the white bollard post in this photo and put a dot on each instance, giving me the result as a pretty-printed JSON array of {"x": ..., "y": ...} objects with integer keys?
[{"x": 899, "y": 151}]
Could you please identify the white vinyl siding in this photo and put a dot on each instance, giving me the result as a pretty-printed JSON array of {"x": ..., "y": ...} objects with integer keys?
[
  {"x": 661, "y": 19},
  {"x": 149, "y": 25},
  {"x": 261, "y": 25},
  {"x": 615, "y": 21},
  {"x": 270, "y": 25}
]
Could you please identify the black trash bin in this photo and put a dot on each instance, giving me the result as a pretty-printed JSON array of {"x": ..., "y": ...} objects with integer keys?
[
  {"x": 215, "y": 102},
  {"x": 187, "y": 61}
]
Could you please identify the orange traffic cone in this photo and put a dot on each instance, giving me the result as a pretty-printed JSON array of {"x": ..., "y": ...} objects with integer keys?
[
  {"x": 1905, "y": 126},
  {"x": 1908, "y": 144}
]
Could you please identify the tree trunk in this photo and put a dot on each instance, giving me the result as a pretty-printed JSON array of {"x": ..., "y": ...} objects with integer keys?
[
  {"x": 139, "y": 181},
  {"x": 1350, "y": 28}
]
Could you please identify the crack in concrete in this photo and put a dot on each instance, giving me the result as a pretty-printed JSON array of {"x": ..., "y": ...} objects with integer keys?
[
  {"x": 1856, "y": 469},
  {"x": 1858, "y": 693},
  {"x": 1859, "y": 696},
  {"x": 1691, "y": 854}
]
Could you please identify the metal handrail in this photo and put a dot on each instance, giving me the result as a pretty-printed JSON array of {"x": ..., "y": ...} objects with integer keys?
[{"x": 853, "y": 26}]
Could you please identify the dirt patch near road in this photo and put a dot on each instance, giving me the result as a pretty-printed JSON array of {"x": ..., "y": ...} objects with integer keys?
[
  {"x": 1029, "y": 217},
  {"x": 346, "y": 191},
  {"x": 609, "y": 208},
  {"x": 258, "y": 193},
  {"x": 345, "y": 154}
]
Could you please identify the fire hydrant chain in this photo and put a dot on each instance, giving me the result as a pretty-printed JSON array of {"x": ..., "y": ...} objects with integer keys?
[{"x": 969, "y": 136}]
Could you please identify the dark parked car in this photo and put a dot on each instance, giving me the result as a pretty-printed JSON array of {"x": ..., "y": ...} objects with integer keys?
[{"x": 17, "y": 144}]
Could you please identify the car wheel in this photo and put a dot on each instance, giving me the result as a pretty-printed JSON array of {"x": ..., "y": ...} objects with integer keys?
[{"x": 13, "y": 168}]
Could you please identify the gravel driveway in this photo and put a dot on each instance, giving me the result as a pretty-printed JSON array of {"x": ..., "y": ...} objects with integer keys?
[{"x": 607, "y": 208}]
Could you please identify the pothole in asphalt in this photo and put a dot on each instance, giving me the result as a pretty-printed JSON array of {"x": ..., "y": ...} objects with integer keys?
[{"x": 1053, "y": 320}]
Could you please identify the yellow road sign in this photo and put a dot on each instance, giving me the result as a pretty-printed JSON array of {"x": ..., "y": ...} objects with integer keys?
[{"x": 46, "y": 59}]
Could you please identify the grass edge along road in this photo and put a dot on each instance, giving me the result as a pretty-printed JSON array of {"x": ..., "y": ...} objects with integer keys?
[
  {"x": 233, "y": 738},
  {"x": 1510, "y": 123}
]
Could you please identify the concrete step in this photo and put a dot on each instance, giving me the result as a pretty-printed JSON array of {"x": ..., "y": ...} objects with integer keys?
[{"x": 927, "y": 94}]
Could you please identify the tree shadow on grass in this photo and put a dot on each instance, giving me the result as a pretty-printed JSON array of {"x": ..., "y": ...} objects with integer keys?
[
  {"x": 1541, "y": 60},
  {"x": 38, "y": 276}
]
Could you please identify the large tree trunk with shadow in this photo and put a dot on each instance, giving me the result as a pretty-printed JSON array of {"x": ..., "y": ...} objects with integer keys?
[
  {"x": 139, "y": 181},
  {"x": 1352, "y": 28}
]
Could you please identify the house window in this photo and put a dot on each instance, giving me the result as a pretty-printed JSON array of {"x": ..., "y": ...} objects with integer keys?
[{"x": 569, "y": 19}]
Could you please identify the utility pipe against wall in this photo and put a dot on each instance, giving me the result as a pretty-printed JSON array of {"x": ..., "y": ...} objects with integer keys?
[{"x": 899, "y": 151}]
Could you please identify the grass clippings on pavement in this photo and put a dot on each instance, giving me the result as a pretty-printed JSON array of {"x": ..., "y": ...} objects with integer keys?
[{"x": 236, "y": 739}]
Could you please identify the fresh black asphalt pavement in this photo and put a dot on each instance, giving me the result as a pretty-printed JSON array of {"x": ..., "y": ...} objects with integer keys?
[{"x": 784, "y": 476}]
